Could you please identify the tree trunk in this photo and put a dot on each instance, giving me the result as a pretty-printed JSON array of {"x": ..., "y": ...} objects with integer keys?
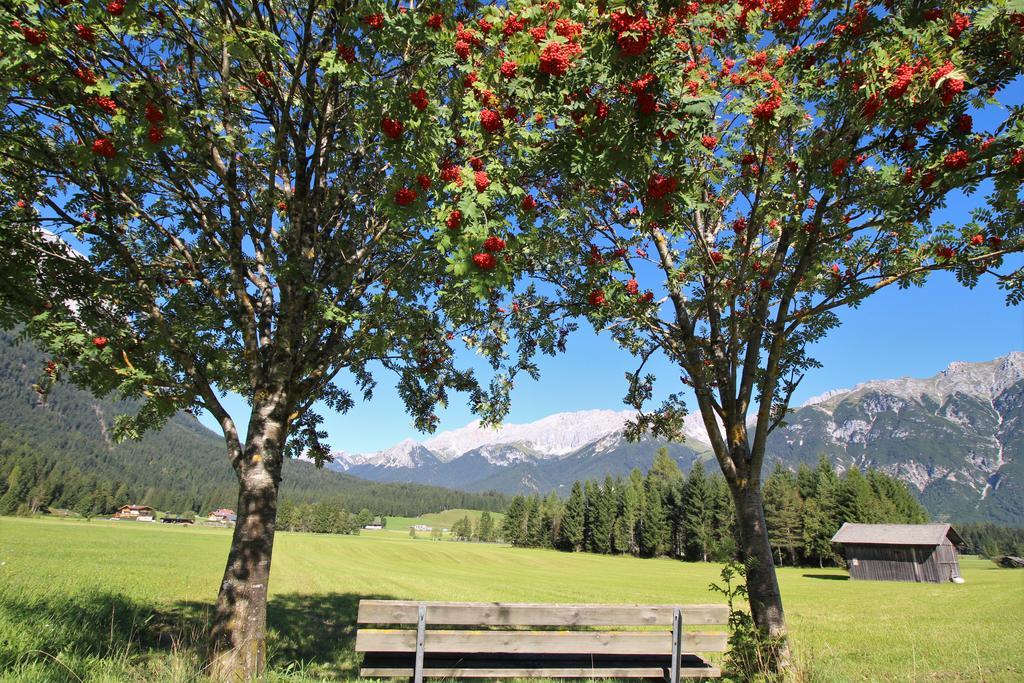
[
  {"x": 762, "y": 583},
  {"x": 239, "y": 650}
]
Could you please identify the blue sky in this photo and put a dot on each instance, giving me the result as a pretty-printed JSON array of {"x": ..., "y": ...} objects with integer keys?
[
  {"x": 915, "y": 332},
  {"x": 895, "y": 333}
]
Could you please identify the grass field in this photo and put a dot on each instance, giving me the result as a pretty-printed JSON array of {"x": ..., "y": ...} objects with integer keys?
[
  {"x": 104, "y": 601},
  {"x": 445, "y": 519}
]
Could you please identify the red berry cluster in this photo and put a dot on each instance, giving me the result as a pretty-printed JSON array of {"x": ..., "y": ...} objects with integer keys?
[
  {"x": 954, "y": 161},
  {"x": 104, "y": 147},
  {"x": 494, "y": 244},
  {"x": 419, "y": 99},
  {"x": 633, "y": 33},
  {"x": 491, "y": 121},
  {"x": 481, "y": 181},
  {"x": 556, "y": 58},
  {"x": 659, "y": 185},
  {"x": 765, "y": 109},
  {"x": 789, "y": 13},
  {"x": 391, "y": 127},
  {"x": 405, "y": 196},
  {"x": 485, "y": 261}
]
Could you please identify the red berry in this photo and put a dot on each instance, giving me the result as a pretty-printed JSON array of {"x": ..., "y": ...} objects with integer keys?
[
  {"x": 419, "y": 99},
  {"x": 391, "y": 127},
  {"x": 155, "y": 135},
  {"x": 100, "y": 342},
  {"x": 556, "y": 58},
  {"x": 491, "y": 121},
  {"x": 485, "y": 261},
  {"x": 454, "y": 220},
  {"x": 115, "y": 7},
  {"x": 405, "y": 196},
  {"x": 481, "y": 180},
  {"x": 34, "y": 36},
  {"x": 85, "y": 33},
  {"x": 153, "y": 114},
  {"x": 104, "y": 147},
  {"x": 954, "y": 161},
  {"x": 494, "y": 244},
  {"x": 347, "y": 52},
  {"x": 596, "y": 298}
]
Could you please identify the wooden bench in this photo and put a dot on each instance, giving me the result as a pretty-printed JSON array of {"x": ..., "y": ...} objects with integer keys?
[{"x": 507, "y": 647}]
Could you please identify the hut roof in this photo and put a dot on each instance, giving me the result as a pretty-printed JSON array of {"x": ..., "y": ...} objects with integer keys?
[{"x": 896, "y": 534}]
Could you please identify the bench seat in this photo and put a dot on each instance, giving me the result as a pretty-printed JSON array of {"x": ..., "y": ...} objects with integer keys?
[{"x": 487, "y": 665}]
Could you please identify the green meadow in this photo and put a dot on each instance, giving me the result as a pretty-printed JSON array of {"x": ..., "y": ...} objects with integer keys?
[
  {"x": 105, "y": 601},
  {"x": 445, "y": 519}
]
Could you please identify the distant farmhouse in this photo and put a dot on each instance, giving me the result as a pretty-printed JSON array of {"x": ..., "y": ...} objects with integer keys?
[
  {"x": 901, "y": 552},
  {"x": 422, "y": 527},
  {"x": 223, "y": 516},
  {"x": 138, "y": 513}
]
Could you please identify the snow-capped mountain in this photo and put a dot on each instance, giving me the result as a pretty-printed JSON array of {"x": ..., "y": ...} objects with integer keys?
[
  {"x": 957, "y": 438},
  {"x": 552, "y": 436},
  {"x": 537, "y": 456}
]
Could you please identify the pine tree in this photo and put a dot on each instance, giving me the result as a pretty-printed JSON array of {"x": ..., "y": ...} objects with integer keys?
[
  {"x": 551, "y": 520},
  {"x": 514, "y": 527},
  {"x": 17, "y": 490},
  {"x": 857, "y": 502},
  {"x": 571, "y": 530},
  {"x": 724, "y": 546},
  {"x": 591, "y": 494},
  {"x": 653, "y": 523},
  {"x": 485, "y": 531},
  {"x": 665, "y": 469},
  {"x": 818, "y": 529},
  {"x": 698, "y": 517},
  {"x": 782, "y": 510},
  {"x": 806, "y": 481}
]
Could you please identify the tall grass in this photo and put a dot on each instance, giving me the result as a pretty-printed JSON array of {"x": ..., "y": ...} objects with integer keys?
[{"x": 131, "y": 602}]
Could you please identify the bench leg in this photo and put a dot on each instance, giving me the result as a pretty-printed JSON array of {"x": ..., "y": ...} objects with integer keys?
[
  {"x": 421, "y": 637},
  {"x": 677, "y": 645}
]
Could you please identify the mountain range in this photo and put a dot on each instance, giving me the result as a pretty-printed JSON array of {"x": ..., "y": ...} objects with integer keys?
[
  {"x": 956, "y": 438},
  {"x": 66, "y": 440}
]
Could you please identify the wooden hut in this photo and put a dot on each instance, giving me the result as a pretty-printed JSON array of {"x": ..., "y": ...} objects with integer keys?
[{"x": 900, "y": 552}]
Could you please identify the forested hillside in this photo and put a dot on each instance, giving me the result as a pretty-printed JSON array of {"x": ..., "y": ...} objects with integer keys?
[
  {"x": 60, "y": 453},
  {"x": 665, "y": 512}
]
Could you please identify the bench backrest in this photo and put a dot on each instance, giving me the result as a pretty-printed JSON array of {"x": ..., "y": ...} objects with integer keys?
[{"x": 496, "y": 615}]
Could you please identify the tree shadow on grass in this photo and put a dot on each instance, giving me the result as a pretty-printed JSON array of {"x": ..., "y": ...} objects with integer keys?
[
  {"x": 827, "y": 577},
  {"x": 313, "y": 634}
]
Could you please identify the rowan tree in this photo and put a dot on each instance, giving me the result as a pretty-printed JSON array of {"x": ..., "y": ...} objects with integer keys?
[
  {"x": 261, "y": 198},
  {"x": 722, "y": 178}
]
